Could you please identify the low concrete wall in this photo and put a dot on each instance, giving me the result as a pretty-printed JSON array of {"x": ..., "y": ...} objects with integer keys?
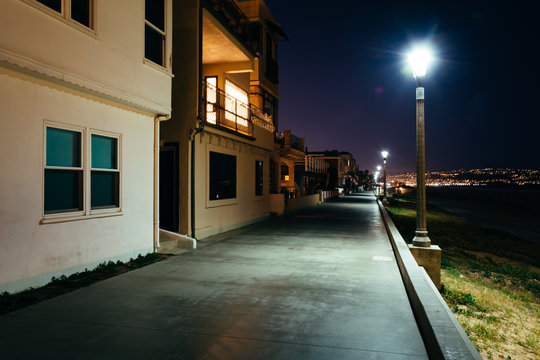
[
  {"x": 301, "y": 202},
  {"x": 277, "y": 204},
  {"x": 325, "y": 195},
  {"x": 443, "y": 336}
]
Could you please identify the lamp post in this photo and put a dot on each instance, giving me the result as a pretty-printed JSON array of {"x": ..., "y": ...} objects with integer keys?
[
  {"x": 419, "y": 60},
  {"x": 377, "y": 174},
  {"x": 384, "y": 155}
]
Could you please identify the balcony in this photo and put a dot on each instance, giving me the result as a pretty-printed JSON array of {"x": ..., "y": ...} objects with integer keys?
[
  {"x": 224, "y": 110},
  {"x": 236, "y": 22}
]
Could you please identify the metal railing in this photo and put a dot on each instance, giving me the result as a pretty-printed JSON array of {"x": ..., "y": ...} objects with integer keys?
[{"x": 224, "y": 110}]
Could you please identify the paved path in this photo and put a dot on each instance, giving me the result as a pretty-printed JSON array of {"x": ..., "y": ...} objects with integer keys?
[{"x": 321, "y": 284}]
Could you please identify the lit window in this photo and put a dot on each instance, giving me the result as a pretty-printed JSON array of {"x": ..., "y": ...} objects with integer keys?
[
  {"x": 80, "y": 11},
  {"x": 222, "y": 176},
  {"x": 258, "y": 177},
  {"x": 211, "y": 99},
  {"x": 66, "y": 167},
  {"x": 154, "y": 31},
  {"x": 236, "y": 104}
]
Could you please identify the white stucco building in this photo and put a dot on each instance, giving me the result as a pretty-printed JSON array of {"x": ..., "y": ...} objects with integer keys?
[{"x": 83, "y": 87}]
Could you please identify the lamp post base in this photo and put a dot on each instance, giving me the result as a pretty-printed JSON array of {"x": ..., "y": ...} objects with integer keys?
[
  {"x": 421, "y": 239},
  {"x": 385, "y": 202},
  {"x": 430, "y": 259}
]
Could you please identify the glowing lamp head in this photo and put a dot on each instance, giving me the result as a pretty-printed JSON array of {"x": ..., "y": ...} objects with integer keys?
[
  {"x": 384, "y": 154},
  {"x": 419, "y": 60},
  {"x": 379, "y": 167}
]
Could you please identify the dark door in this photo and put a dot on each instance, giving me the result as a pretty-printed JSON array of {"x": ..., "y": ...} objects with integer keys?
[{"x": 168, "y": 187}]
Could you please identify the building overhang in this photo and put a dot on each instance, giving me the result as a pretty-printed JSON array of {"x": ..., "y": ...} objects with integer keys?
[{"x": 219, "y": 46}]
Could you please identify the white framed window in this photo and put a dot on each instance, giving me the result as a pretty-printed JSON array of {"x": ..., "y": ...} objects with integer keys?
[
  {"x": 75, "y": 12},
  {"x": 81, "y": 171},
  {"x": 154, "y": 31},
  {"x": 63, "y": 178},
  {"x": 104, "y": 171}
]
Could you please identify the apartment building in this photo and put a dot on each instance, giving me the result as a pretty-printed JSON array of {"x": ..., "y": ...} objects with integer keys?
[
  {"x": 83, "y": 87},
  {"x": 216, "y": 149}
]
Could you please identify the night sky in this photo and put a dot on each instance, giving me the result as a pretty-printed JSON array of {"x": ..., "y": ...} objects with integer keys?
[{"x": 345, "y": 83}]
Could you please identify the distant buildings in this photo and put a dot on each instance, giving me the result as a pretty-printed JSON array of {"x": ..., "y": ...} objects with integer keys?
[{"x": 473, "y": 177}]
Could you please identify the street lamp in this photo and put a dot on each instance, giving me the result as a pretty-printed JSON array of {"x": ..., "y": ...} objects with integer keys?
[
  {"x": 384, "y": 155},
  {"x": 419, "y": 60}
]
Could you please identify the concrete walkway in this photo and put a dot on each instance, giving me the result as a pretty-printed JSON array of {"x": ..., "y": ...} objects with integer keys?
[{"x": 320, "y": 284}]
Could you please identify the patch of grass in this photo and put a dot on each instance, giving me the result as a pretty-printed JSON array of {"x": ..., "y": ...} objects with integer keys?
[
  {"x": 491, "y": 280},
  {"x": 64, "y": 284}
]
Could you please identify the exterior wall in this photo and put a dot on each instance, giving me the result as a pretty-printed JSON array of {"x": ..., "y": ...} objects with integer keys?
[
  {"x": 185, "y": 97},
  {"x": 54, "y": 70},
  {"x": 213, "y": 217},
  {"x": 112, "y": 57},
  {"x": 33, "y": 252}
]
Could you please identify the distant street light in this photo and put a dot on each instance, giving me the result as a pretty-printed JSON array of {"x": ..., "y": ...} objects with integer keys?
[
  {"x": 419, "y": 60},
  {"x": 384, "y": 155}
]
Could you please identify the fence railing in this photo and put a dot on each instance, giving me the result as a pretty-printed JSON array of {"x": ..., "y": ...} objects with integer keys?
[{"x": 224, "y": 110}]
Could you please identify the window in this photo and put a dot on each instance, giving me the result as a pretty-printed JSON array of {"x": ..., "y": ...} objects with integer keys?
[
  {"x": 154, "y": 31},
  {"x": 211, "y": 99},
  {"x": 105, "y": 175},
  {"x": 222, "y": 176},
  {"x": 258, "y": 177},
  {"x": 63, "y": 171},
  {"x": 66, "y": 169},
  {"x": 236, "y": 103},
  {"x": 79, "y": 11}
]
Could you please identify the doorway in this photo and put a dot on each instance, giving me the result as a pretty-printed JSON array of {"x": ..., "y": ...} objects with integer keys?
[{"x": 169, "y": 186}]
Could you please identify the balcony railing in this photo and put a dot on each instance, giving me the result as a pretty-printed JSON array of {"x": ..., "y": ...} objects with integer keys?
[{"x": 222, "y": 109}]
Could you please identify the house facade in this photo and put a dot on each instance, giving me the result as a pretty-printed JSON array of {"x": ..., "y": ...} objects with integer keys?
[
  {"x": 217, "y": 147},
  {"x": 82, "y": 93}
]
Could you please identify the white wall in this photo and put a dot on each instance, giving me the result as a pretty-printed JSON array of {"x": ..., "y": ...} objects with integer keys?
[
  {"x": 32, "y": 252},
  {"x": 112, "y": 57}
]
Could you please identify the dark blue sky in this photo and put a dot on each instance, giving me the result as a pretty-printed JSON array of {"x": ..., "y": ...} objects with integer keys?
[{"x": 344, "y": 81}]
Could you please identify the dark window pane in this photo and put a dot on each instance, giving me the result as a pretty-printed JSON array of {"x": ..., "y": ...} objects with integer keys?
[
  {"x": 155, "y": 13},
  {"x": 80, "y": 11},
  {"x": 63, "y": 190},
  {"x": 153, "y": 45},
  {"x": 63, "y": 147},
  {"x": 222, "y": 176},
  {"x": 104, "y": 190},
  {"x": 258, "y": 177},
  {"x": 56, "y": 5},
  {"x": 104, "y": 152}
]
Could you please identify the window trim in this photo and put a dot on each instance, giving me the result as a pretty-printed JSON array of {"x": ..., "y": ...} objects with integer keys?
[
  {"x": 68, "y": 127},
  {"x": 118, "y": 170},
  {"x": 222, "y": 202},
  {"x": 165, "y": 63},
  {"x": 86, "y": 167},
  {"x": 65, "y": 15}
]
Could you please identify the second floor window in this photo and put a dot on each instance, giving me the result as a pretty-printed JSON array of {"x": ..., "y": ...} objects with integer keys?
[
  {"x": 80, "y": 11},
  {"x": 154, "y": 31}
]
